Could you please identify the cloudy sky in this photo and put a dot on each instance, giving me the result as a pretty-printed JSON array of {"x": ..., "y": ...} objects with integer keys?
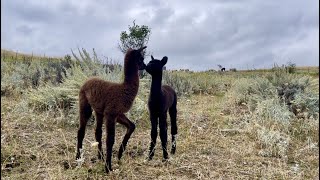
[{"x": 197, "y": 35}]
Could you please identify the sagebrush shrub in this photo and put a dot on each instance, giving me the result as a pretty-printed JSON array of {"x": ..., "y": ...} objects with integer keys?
[
  {"x": 65, "y": 95},
  {"x": 181, "y": 84},
  {"x": 272, "y": 112},
  {"x": 274, "y": 103},
  {"x": 273, "y": 143},
  {"x": 306, "y": 105}
]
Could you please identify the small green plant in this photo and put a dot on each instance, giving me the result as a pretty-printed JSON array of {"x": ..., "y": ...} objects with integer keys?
[
  {"x": 137, "y": 37},
  {"x": 291, "y": 67}
]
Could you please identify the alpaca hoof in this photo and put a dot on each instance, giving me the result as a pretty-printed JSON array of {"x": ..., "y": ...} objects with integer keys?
[
  {"x": 108, "y": 170},
  {"x": 149, "y": 158},
  {"x": 173, "y": 151},
  {"x": 119, "y": 156},
  {"x": 165, "y": 159},
  {"x": 100, "y": 157},
  {"x": 165, "y": 154}
]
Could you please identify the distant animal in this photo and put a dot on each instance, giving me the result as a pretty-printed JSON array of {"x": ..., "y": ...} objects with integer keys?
[
  {"x": 110, "y": 101},
  {"x": 223, "y": 69},
  {"x": 161, "y": 99}
]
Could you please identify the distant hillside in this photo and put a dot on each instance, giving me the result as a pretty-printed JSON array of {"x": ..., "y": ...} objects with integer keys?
[
  {"x": 299, "y": 69},
  {"x": 11, "y": 55}
]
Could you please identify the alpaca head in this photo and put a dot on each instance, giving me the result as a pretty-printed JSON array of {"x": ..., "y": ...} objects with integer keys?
[
  {"x": 155, "y": 66},
  {"x": 138, "y": 56}
]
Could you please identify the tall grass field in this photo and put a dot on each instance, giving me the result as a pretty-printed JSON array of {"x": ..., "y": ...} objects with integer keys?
[{"x": 254, "y": 124}]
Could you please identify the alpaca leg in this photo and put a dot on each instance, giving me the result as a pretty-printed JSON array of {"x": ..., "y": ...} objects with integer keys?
[
  {"x": 154, "y": 134},
  {"x": 98, "y": 134},
  {"x": 110, "y": 131},
  {"x": 85, "y": 114},
  {"x": 163, "y": 134},
  {"x": 122, "y": 119},
  {"x": 174, "y": 129}
]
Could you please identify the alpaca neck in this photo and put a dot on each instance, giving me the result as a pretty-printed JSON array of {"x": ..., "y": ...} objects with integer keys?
[
  {"x": 155, "y": 91},
  {"x": 131, "y": 78}
]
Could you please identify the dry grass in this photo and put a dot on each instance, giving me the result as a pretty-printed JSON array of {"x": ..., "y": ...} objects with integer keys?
[
  {"x": 40, "y": 146},
  {"x": 14, "y": 55},
  {"x": 303, "y": 70}
]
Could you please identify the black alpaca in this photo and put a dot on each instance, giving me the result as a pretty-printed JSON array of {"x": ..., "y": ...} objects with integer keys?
[{"x": 161, "y": 99}]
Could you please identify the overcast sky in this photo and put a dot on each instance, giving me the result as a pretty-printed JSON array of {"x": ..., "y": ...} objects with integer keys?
[{"x": 197, "y": 35}]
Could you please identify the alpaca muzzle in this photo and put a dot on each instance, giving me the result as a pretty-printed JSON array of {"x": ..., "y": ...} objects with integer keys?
[{"x": 142, "y": 66}]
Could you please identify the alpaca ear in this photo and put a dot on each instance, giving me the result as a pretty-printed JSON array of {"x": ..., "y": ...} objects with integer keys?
[
  {"x": 142, "y": 48},
  {"x": 164, "y": 60},
  {"x": 152, "y": 58}
]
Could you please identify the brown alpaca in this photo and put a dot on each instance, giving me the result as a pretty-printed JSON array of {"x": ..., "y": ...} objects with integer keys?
[{"x": 110, "y": 101}]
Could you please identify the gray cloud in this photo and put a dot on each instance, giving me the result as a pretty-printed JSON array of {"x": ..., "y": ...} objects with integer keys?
[
  {"x": 25, "y": 30},
  {"x": 198, "y": 36}
]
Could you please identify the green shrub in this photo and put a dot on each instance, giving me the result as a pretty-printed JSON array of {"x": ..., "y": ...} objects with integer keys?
[
  {"x": 270, "y": 112},
  {"x": 274, "y": 103},
  {"x": 180, "y": 83},
  {"x": 48, "y": 98},
  {"x": 291, "y": 67},
  {"x": 306, "y": 105},
  {"x": 272, "y": 143}
]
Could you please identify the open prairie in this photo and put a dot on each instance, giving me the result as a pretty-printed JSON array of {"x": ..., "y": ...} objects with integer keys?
[{"x": 261, "y": 124}]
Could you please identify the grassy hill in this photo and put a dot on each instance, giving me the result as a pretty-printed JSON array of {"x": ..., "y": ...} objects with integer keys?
[{"x": 17, "y": 56}]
